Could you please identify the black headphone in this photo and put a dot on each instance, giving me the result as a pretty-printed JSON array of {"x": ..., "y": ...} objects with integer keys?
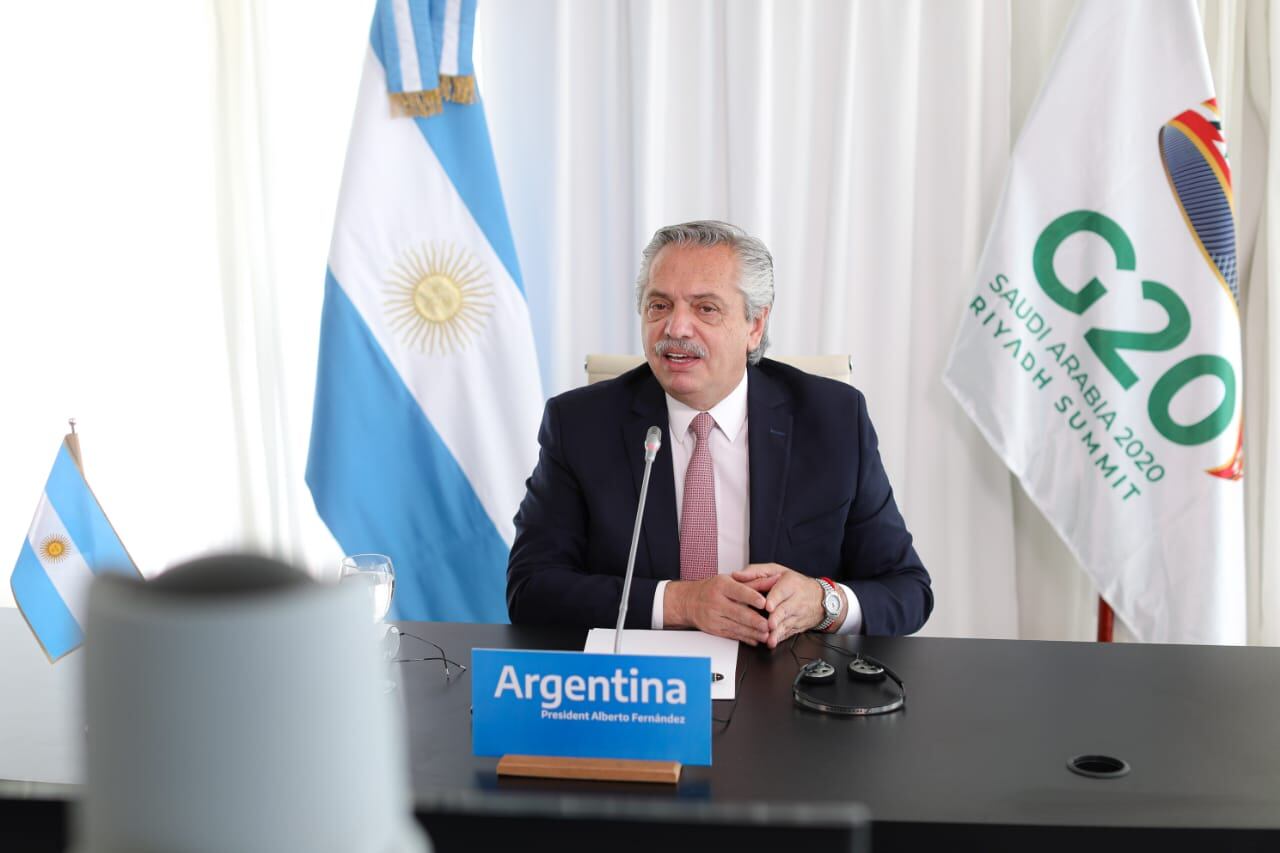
[{"x": 819, "y": 676}]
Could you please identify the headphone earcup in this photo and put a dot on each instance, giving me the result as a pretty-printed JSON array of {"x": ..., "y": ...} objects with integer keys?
[
  {"x": 861, "y": 669},
  {"x": 818, "y": 672}
]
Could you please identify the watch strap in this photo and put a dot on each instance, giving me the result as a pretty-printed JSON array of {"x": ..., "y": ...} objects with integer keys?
[{"x": 828, "y": 587}]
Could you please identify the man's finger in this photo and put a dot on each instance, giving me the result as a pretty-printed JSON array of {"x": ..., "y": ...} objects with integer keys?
[
  {"x": 756, "y": 578},
  {"x": 761, "y": 585},
  {"x": 761, "y": 570},
  {"x": 743, "y": 593},
  {"x": 780, "y": 633},
  {"x": 780, "y": 593},
  {"x": 737, "y": 631},
  {"x": 747, "y": 618},
  {"x": 784, "y": 619},
  {"x": 729, "y": 630},
  {"x": 777, "y": 609}
]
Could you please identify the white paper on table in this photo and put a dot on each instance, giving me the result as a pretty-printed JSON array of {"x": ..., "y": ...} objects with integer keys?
[{"x": 679, "y": 644}]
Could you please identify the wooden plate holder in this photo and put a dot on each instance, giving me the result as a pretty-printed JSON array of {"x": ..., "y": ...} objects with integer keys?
[{"x": 597, "y": 769}]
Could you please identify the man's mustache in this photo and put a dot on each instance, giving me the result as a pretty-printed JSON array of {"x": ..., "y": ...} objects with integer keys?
[{"x": 671, "y": 345}]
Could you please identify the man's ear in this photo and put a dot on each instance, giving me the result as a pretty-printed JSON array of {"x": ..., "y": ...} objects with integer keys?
[{"x": 756, "y": 332}]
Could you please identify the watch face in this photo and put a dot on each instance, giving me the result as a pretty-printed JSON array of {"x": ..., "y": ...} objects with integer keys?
[{"x": 832, "y": 603}]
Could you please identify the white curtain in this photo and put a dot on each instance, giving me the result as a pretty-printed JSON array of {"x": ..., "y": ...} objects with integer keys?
[
  {"x": 112, "y": 307},
  {"x": 167, "y": 243},
  {"x": 170, "y": 172},
  {"x": 286, "y": 79},
  {"x": 866, "y": 143}
]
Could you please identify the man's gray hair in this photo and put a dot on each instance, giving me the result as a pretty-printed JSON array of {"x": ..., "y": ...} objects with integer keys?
[{"x": 755, "y": 265}]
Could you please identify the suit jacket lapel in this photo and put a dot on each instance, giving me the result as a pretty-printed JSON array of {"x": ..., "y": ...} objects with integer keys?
[
  {"x": 661, "y": 529},
  {"x": 769, "y": 454}
]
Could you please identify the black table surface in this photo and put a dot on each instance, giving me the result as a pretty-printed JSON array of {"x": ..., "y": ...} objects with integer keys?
[
  {"x": 982, "y": 744},
  {"x": 976, "y": 760}
]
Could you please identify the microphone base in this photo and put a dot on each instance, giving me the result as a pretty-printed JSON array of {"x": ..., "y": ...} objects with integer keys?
[{"x": 596, "y": 769}]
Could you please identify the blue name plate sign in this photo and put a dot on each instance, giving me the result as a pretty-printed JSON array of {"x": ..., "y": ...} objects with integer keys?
[{"x": 591, "y": 706}]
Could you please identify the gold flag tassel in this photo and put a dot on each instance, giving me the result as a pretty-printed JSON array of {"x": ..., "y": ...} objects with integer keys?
[
  {"x": 460, "y": 89},
  {"x": 420, "y": 104}
]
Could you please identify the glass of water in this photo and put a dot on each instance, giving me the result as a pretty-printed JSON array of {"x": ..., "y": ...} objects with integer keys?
[{"x": 375, "y": 577}]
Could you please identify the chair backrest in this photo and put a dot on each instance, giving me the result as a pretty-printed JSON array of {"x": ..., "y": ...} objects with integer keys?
[{"x": 600, "y": 366}]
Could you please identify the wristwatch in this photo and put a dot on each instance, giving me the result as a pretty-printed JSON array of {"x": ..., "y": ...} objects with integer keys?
[{"x": 832, "y": 603}]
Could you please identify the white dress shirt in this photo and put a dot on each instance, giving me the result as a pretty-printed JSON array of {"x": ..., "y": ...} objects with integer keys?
[{"x": 732, "y": 468}]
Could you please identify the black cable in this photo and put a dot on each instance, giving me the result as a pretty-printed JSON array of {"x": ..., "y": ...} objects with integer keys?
[
  {"x": 834, "y": 647},
  {"x": 791, "y": 647},
  {"x": 737, "y": 694}
]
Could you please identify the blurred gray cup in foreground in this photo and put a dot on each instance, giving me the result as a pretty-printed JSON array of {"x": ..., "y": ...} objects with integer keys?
[{"x": 234, "y": 704}]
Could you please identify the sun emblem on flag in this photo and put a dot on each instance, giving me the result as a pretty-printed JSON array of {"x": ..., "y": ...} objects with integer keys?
[
  {"x": 438, "y": 297},
  {"x": 54, "y": 548}
]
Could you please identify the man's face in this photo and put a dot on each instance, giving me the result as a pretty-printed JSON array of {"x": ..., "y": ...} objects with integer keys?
[{"x": 694, "y": 323}]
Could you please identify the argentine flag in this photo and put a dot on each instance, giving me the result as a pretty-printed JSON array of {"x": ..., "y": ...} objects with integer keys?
[
  {"x": 69, "y": 542},
  {"x": 427, "y": 396}
]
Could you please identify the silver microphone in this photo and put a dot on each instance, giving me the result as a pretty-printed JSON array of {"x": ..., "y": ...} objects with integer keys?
[{"x": 652, "y": 443}]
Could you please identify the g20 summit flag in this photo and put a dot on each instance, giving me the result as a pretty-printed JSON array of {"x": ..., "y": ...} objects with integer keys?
[
  {"x": 427, "y": 396},
  {"x": 1100, "y": 350},
  {"x": 69, "y": 542}
]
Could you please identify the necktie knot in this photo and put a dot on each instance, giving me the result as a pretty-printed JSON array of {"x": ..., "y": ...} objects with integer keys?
[{"x": 702, "y": 425}]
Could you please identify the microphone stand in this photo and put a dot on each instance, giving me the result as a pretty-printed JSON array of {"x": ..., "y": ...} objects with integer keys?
[{"x": 652, "y": 442}]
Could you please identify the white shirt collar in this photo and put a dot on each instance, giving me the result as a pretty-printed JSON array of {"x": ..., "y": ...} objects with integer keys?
[{"x": 730, "y": 414}]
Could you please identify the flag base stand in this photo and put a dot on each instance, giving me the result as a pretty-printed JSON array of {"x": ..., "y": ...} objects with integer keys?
[{"x": 597, "y": 769}]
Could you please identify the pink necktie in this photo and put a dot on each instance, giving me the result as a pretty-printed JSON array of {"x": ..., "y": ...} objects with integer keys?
[{"x": 698, "y": 558}]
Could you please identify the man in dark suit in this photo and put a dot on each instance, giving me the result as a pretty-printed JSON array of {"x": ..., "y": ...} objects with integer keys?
[{"x": 769, "y": 512}]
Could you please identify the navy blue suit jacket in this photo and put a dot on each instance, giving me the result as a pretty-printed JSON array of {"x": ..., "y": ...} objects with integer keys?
[{"x": 820, "y": 502}]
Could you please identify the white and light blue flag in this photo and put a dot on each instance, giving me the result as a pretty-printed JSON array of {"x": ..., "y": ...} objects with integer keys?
[
  {"x": 428, "y": 396},
  {"x": 69, "y": 542}
]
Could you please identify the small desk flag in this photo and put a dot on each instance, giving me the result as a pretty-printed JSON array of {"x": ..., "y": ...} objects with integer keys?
[
  {"x": 1099, "y": 351},
  {"x": 69, "y": 542},
  {"x": 427, "y": 395}
]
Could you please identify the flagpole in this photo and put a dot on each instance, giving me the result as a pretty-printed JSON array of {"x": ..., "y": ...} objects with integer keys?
[
  {"x": 73, "y": 445},
  {"x": 1106, "y": 621},
  {"x": 72, "y": 440}
]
